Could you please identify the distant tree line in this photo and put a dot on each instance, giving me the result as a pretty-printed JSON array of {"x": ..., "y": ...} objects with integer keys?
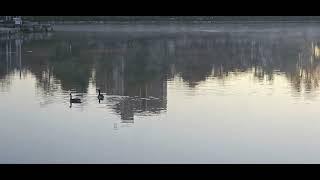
[
  {"x": 172, "y": 18},
  {"x": 115, "y": 18}
]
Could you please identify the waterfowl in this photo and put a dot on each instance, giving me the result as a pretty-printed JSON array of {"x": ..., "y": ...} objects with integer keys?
[
  {"x": 100, "y": 96},
  {"x": 74, "y": 100}
]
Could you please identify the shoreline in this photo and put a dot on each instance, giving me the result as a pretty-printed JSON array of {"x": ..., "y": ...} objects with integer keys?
[
  {"x": 177, "y": 22},
  {"x": 203, "y": 26}
]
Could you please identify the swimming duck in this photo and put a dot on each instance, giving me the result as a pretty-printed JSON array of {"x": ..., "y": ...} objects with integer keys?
[
  {"x": 74, "y": 100},
  {"x": 100, "y": 96}
]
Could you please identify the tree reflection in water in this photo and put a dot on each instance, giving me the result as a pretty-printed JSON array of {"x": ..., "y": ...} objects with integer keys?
[{"x": 133, "y": 71}]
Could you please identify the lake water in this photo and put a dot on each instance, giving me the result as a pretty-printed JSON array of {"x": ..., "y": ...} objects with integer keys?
[{"x": 173, "y": 93}]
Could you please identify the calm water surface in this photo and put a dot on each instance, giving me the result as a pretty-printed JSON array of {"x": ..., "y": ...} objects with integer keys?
[{"x": 173, "y": 94}]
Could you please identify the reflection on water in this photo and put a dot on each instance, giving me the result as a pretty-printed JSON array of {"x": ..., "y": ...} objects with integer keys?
[{"x": 135, "y": 72}]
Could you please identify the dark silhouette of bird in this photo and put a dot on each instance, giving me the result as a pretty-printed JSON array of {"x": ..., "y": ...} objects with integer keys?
[
  {"x": 74, "y": 100},
  {"x": 100, "y": 96}
]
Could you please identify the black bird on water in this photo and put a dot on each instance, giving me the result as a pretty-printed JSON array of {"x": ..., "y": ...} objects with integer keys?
[
  {"x": 100, "y": 96},
  {"x": 74, "y": 100}
]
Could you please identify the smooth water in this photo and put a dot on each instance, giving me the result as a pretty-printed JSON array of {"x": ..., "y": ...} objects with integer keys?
[{"x": 172, "y": 94}]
